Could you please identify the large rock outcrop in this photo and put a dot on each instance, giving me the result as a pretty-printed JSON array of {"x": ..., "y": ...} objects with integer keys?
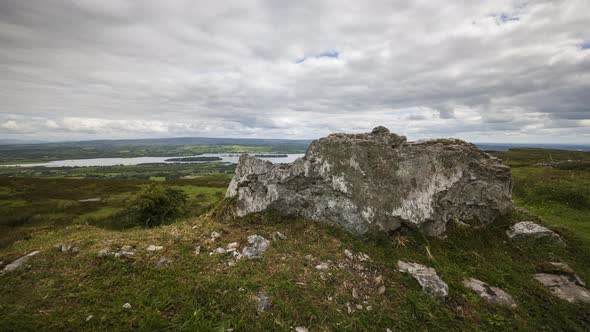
[{"x": 377, "y": 182}]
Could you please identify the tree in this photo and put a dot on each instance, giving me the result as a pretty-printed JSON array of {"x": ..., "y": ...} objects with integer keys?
[{"x": 157, "y": 204}]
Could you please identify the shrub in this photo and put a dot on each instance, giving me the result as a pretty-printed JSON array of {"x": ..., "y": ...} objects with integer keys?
[{"x": 157, "y": 204}]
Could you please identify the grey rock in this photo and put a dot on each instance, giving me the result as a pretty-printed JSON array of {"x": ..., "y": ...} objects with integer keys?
[
  {"x": 426, "y": 277},
  {"x": 301, "y": 329},
  {"x": 263, "y": 302},
  {"x": 259, "y": 246},
  {"x": 377, "y": 181},
  {"x": 566, "y": 287},
  {"x": 152, "y": 247},
  {"x": 124, "y": 254},
  {"x": 278, "y": 236},
  {"x": 491, "y": 294},
  {"x": 19, "y": 262},
  {"x": 163, "y": 262},
  {"x": 127, "y": 306},
  {"x": 530, "y": 230}
]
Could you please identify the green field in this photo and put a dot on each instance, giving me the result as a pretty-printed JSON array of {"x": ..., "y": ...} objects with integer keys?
[{"x": 59, "y": 291}]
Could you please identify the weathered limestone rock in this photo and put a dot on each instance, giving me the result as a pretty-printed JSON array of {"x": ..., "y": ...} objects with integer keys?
[
  {"x": 530, "y": 230},
  {"x": 19, "y": 262},
  {"x": 376, "y": 182},
  {"x": 259, "y": 246},
  {"x": 491, "y": 294},
  {"x": 564, "y": 286},
  {"x": 426, "y": 277},
  {"x": 563, "y": 282}
]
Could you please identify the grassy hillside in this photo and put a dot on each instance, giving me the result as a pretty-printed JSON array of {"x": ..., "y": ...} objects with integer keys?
[{"x": 60, "y": 290}]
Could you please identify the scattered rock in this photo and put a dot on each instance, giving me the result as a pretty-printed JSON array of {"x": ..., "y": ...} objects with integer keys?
[
  {"x": 152, "y": 247},
  {"x": 126, "y": 248},
  {"x": 19, "y": 262},
  {"x": 259, "y": 246},
  {"x": 197, "y": 250},
  {"x": 127, "y": 305},
  {"x": 530, "y": 230},
  {"x": 220, "y": 250},
  {"x": 163, "y": 262},
  {"x": 309, "y": 257},
  {"x": 278, "y": 236},
  {"x": 301, "y": 329},
  {"x": 322, "y": 266},
  {"x": 564, "y": 287},
  {"x": 214, "y": 236},
  {"x": 375, "y": 182},
  {"x": 491, "y": 294},
  {"x": 96, "y": 199},
  {"x": 124, "y": 254},
  {"x": 263, "y": 302},
  {"x": 103, "y": 253},
  {"x": 426, "y": 277},
  {"x": 89, "y": 318},
  {"x": 348, "y": 254},
  {"x": 563, "y": 268},
  {"x": 233, "y": 245}
]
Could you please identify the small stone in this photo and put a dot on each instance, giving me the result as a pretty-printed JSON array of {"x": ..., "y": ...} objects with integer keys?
[
  {"x": 355, "y": 293},
  {"x": 322, "y": 266},
  {"x": 381, "y": 290},
  {"x": 348, "y": 254},
  {"x": 197, "y": 250},
  {"x": 359, "y": 307},
  {"x": 125, "y": 254},
  {"x": 19, "y": 262},
  {"x": 163, "y": 262},
  {"x": 263, "y": 302},
  {"x": 369, "y": 308},
  {"x": 491, "y": 294},
  {"x": 75, "y": 250},
  {"x": 103, "y": 253},
  {"x": 426, "y": 277},
  {"x": 301, "y": 329},
  {"x": 259, "y": 246},
  {"x": 215, "y": 235},
  {"x": 127, "y": 306},
  {"x": 530, "y": 230},
  {"x": 152, "y": 247},
  {"x": 66, "y": 247},
  {"x": 220, "y": 250},
  {"x": 278, "y": 236},
  {"x": 126, "y": 248},
  {"x": 378, "y": 280},
  {"x": 309, "y": 257},
  {"x": 233, "y": 245},
  {"x": 89, "y": 318}
]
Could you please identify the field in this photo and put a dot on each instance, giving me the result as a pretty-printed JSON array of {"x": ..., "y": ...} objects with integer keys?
[{"x": 71, "y": 292}]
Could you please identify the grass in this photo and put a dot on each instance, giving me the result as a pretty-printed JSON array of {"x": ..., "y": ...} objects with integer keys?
[
  {"x": 58, "y": 291},
  {"x": 202, "y": 292}
]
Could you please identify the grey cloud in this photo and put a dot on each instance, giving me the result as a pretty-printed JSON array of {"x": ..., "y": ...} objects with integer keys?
[{"x": 493, "y": 71}]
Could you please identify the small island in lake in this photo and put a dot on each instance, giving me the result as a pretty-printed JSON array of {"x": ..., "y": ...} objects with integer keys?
[
  {"x": 270, "y": 155},
  {"x": 195, "y": 159}
]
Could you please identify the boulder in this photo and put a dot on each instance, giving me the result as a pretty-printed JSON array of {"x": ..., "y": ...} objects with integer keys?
[
  {"x": 377, "y": 182},
  {"x": 426, "y": 277},
  {"x": 491, "y": 294},
  {"x": 530, "y": 230}
]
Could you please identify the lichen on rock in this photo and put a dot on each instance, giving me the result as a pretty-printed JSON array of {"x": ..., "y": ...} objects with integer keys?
[{"x": 377, "y": 182}]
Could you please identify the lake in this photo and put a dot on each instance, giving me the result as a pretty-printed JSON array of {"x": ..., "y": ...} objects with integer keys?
[{"x": 225, "y": 157}]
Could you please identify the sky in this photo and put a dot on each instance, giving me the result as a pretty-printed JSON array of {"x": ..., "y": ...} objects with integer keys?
[{"x": 483, "y": 71}]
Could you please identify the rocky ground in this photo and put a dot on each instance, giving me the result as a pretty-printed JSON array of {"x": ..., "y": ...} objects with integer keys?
[{"x": 269, "y": 273}]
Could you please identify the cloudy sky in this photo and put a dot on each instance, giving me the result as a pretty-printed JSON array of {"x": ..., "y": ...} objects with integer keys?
[{"x": 485, "y": 71}]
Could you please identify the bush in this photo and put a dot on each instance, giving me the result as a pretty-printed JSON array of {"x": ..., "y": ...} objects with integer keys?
[{"x": 157, "y": 204}]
